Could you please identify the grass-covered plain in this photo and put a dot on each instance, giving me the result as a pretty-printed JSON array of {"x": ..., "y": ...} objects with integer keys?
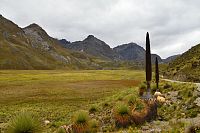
[{"x": 55, "y": 95}]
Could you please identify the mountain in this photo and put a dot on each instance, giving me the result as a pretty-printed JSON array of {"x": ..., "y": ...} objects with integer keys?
[
  {"x": 94, "y": 46},
  {"x": 32, "y": 48},
  {"x": 130, "y": 51},
  {"x": 64, "y": 42},
  {"x": 170, "y": 59},
  {"x": 134, "y": 52},
  {"x": 185, "y": 67}
]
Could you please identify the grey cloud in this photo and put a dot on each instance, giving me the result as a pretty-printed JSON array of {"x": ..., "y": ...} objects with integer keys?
[{"x": 173, "y": 24}]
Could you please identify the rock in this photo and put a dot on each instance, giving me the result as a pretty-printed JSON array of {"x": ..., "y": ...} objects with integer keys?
[
  {"x": 46, "y": 122},
  {"x": 145, "y": 128},
  {"x": 197, "y": 101},
  {"x": 198, "y": 88},
  {"x": 174, "y": 93},
  {"x": 160, "y": 99}
]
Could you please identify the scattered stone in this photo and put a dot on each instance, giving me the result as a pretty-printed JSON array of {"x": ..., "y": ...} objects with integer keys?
[
  {"x": 145, "y": 128},
  {"x": 197, "y": 101},
  {"x": 46, "y": 122},
  {"x": 160, "y": 99},
  {"x": 174, "y": 93}
]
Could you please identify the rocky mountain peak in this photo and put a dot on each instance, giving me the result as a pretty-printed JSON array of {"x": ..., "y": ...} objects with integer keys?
[
  {"x": 35, "y": 30},
  {"x": 33, "y": 25},
  {"x": 90, "y": 38}
]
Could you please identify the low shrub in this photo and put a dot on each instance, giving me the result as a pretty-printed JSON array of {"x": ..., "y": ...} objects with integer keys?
[
  {"x": 61, "y": 130},
  {"x": 93, "y": 108},
  {"x": 122, "y": 109},
  {"x": 139, "y": 106},
  {"x": 132, "y": 99},
  {"x": 167, "y": 86},
  {"x": 122, "y": 117},
  {"x": 80, "y": 117},
  {"x": 80, "y": 120},
  {"x": 93, "y": 124},
  {"x": 142, "y": 89},
  {"x": 24, "y": 123},
  {"x": 106, "y": 104},
  {"x": 154, "y": 87}
]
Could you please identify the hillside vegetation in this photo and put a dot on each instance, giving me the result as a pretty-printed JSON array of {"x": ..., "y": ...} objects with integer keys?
[{"x": 186, "y": 67}]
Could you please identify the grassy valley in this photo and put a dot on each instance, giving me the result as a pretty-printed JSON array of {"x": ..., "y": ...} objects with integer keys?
[{"x": 56, "y": 95}]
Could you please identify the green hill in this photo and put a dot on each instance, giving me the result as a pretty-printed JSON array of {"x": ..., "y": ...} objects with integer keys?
[{"x": 186, "y": 67}]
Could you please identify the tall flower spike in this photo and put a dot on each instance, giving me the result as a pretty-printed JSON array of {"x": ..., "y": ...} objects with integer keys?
[
  {"x": 157, "y": 74},
  {"x": 148, "y": 65}
]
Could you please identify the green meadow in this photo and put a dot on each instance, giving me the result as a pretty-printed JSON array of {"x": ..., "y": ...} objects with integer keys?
[{"x": 55, "y": 95}]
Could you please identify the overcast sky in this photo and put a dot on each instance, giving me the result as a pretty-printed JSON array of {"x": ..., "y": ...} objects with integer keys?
[{"x": 174, "y": 25}]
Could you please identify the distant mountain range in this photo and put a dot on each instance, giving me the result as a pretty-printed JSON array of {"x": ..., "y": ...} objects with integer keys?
[{"x": 32, "y": 48}]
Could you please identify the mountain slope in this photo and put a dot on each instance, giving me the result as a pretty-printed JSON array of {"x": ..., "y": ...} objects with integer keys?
[
  {"x": 134, "y": 52},
  {"x": 170, "y": 59},
  {"x": 64, "y": 42},
  {"x": 130, "y": 51},
  {"x": 32, "y": 48},
  {"x": 93, "y": 46},
  {"x": 186, "y": 67}
]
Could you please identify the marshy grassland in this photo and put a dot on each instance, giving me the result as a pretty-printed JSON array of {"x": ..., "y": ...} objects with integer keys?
[{"x": 55, "y": 95}]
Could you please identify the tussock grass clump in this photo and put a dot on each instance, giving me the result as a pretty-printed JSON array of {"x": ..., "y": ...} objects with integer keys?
[
  {"x": 93, "y": 124},
  {"x": 132, "y": 99},
  {"x": 167, "y": 85},
  {"x": 154, "y": 87},
  {"x": 93, "y": 108},
  {"x": 122, "y": 109},
  {"x": 139, "y": 105},
  {"x": 81, "y": 117},
  {"x": 106, "y": 104},
  {"x": 140, "y": 112},
  {"x": 80, "y": 120},
  {"x": 61, "y": 130},
  {"x": 122, "y": 117},
  {"x": 142, "y": 89},
  {"x": 24, "y": 123}
]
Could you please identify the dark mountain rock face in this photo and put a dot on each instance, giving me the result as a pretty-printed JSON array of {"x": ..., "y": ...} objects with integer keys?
[
  {"x": 153, "y": 58},
  {"x": 130, "y": 51},
  {"x": 93, "y": 46},
  {"x": 64, "y": 42},
  {"x": 134, "y": 52}
]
